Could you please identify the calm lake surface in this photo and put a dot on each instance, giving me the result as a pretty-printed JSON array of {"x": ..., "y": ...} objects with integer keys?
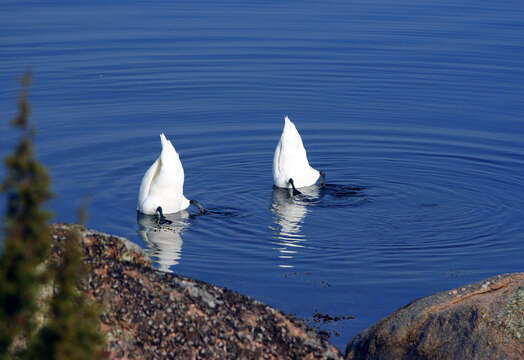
[{"x": 413, "y": 108}]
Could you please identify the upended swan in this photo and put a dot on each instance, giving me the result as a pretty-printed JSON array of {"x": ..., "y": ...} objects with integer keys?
[
  {"x": 162, "y": 188},
  {"x": 291, "y": 167}
]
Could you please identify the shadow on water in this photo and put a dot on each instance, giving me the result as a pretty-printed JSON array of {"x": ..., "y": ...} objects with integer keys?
[
  {"x": 337, "y": 195},
  {"x": 225, "y": 212},
  {"x": 342, "y": 191},
  {"x": 328, "y": 195}
]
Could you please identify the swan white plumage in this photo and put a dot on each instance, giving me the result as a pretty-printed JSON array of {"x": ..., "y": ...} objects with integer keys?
[
  {"x": 163, "y": 183},
  {"x": 290, "y": 160}
]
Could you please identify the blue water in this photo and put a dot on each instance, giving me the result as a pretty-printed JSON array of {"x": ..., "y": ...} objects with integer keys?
[{"x": 413, "y": 109}]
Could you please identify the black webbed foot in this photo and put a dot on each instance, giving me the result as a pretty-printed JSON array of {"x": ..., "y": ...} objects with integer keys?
[
  {"x": 323, "y": 178},
  {"x": 161, "y": 218},
  {"x": 295, "y": 191},
  {"x": 203, "y": 211}
]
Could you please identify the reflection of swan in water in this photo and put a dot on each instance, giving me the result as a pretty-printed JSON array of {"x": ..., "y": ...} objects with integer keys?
[
  {"x": 289, "y": 213},
  {"x": 164, "y": 238}
]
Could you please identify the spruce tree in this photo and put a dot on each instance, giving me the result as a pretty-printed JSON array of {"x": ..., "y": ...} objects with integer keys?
[
  {"x": 27, "y": 241},
  {"x": 69, "y": 329},
  {"x": 72, "y": 332}
]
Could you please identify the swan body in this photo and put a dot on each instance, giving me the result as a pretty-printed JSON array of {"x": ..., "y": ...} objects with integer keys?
[
  {"x": 163, "y": 183},
  {"x": 290, "y": 160}
]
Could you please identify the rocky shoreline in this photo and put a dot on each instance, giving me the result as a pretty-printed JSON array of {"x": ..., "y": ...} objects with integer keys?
[
  {"x": 154, "y": 315},
  {"x": 149, "y": 314}
]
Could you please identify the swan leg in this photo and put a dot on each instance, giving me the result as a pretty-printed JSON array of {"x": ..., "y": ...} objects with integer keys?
[
  {"x": 323, "y": 179},
  {"x": 200, "y": 207},
  {"x": 161, "y": 218},
  {"x": 295, "y": 191}
]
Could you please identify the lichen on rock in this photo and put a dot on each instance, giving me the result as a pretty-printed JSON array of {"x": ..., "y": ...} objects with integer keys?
[
  {"x": 483, "y": 320},
  {"x": 511, "y": 317}
]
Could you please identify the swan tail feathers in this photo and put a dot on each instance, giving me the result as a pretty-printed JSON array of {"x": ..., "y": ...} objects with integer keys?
[
  {"x": 163, "y": 140},
  {"x": 166, "y": 143}
]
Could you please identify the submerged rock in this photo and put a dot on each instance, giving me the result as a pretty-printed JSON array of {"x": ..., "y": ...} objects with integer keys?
[
  {"x": 484, "y": 320},
  {"x": 149, "y": 314}
]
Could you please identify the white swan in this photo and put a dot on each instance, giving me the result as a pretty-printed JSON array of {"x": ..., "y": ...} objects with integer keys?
[
  {"x": 162, "y": 187},
  {"x": 290, "y": 165}
]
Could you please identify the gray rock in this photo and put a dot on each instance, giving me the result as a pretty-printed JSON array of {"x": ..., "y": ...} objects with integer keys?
[{"x": 484, "y": 320}]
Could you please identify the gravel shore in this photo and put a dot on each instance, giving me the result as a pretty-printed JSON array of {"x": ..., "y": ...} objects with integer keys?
[{"x": 153, "y": 315}]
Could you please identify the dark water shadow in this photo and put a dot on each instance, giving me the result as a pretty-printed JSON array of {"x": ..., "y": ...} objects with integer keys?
[
  {"x": 330, "y": 195},
  {"x": 221, "y": 211},
  {"x": 341, "y": 195},
  {"x": 342, "y": 191}
]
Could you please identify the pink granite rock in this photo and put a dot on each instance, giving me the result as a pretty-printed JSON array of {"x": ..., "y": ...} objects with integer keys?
[{"x": 484, "y": 320}]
